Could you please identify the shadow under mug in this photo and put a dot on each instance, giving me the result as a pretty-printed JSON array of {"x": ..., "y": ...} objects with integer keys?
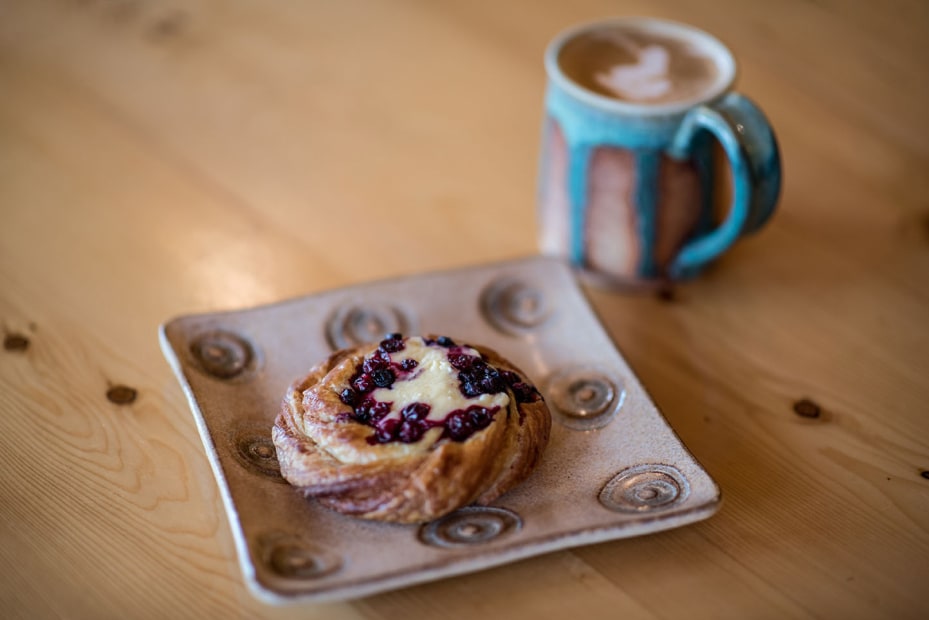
[{"x": 626, "y": 189}]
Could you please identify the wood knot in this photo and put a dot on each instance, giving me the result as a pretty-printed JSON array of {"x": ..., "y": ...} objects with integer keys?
[
  {"x": 170, "y": 26},
  {"x": 15, "y": 343},
  {"x": 666, "y": 294},
  {"x": 925, "y": 474},
  {"x": 806, "y": 408},
  {"x": 121, "y": 394}
]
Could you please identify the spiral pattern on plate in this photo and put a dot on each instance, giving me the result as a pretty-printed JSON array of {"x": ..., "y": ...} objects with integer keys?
[
  {"x": 223, "y": 354},
  {"x": 255, "y": 451},
  {"x": 472, "y": 525},
  {"x": 352, "y": 325},
  {"x": 585, "y": 397},
  {"x": 290, "y": 557},
  {"x": 645, "y": 488},
  {"x": 515, "y": 306}
]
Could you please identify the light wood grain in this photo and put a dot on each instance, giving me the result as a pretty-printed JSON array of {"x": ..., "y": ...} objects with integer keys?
[{"x": 159, "y": 158}]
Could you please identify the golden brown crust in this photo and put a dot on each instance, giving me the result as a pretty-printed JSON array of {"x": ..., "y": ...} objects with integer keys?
[{"x": 327, "y": 455}]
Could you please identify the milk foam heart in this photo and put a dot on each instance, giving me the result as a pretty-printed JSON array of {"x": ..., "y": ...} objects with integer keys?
[{"x": 646, "y": 79}]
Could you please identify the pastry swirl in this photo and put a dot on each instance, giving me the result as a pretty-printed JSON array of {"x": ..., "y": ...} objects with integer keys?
[{"x": 410, "y": 429}]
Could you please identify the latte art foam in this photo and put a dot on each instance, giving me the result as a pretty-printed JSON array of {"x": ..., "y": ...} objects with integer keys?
[{"x": 639, "y": 66}]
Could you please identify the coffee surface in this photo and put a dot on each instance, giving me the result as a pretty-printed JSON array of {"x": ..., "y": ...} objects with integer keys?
[{"x": 639, "y": 66}]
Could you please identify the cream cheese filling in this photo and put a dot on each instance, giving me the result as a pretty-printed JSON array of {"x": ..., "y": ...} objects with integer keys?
[{"x": 434, "y": 381}]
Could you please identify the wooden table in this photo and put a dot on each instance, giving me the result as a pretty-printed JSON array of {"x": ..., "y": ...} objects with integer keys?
[{"x": 159, "y": 158}]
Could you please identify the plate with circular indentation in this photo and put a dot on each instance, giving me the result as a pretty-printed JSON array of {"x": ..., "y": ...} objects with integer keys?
[{"x": 613, "y": 467}]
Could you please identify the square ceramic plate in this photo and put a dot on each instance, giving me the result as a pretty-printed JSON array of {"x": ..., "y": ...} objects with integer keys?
[{"x": 613, "y": 467}]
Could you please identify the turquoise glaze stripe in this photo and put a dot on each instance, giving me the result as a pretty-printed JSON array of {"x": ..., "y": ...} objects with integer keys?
[
  {"x": 647, "y": 166},
  {"x": 579, "y": 158},
  {"x": 584, "y": 125}
]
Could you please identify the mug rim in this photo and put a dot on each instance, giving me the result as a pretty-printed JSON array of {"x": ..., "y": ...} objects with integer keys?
[{"x": 719, "y": 52}]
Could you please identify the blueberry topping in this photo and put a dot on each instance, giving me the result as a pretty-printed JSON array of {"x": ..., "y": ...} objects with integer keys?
[
  {"x": 462, "y": 423},
  {"x": 445, "y": 341},
  {"x": 349, "y": 396},
  {"x": 385, "y": 431},
  {"x": 372, "y": 364},
  {"x": 510, "y": 377},
  {"x": 364, "y": 383},
  {"x": 490, "y": 382},
  {"x": 411, "y": 431},
  {"x": 469, "y": 388},
  {"x": 369, "y": 411},
  {"x": 362, "y": 412},
  {"x": 479, "y": 378},
  {"x": 382, "y": 355},
  {"x": 383, "y": 377},
  {"x": 416, "y": 412},
  {"x": 462, "y": 361},
  {"x": 479, "y": 417},
  {"x": 391, "y": 345},
  {"x": 394, "y": 336},
  {"x": 524, "y": 392},
  {"x": 458, "y": 425}
]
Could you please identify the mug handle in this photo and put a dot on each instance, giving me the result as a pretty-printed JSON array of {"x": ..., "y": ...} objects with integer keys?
[{"x": 750, "y": 145}]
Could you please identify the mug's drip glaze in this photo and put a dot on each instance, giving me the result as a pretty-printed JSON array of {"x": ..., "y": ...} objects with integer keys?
[
  {"x": 628, "y": 184},
  {"x": 630, "y": 206}
]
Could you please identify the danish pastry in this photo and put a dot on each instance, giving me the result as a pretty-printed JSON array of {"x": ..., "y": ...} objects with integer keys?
[{"x": 410, "y": 429}]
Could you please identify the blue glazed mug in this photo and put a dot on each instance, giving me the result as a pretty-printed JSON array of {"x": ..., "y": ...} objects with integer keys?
[{"x": 628, "y": 174}]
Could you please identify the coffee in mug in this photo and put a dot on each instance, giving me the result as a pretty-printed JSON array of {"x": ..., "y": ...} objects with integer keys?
[{"x": 627, "y": 178}]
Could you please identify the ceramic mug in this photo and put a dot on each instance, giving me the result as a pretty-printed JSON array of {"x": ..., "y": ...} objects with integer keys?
[{"x": 628, "y": 177}]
